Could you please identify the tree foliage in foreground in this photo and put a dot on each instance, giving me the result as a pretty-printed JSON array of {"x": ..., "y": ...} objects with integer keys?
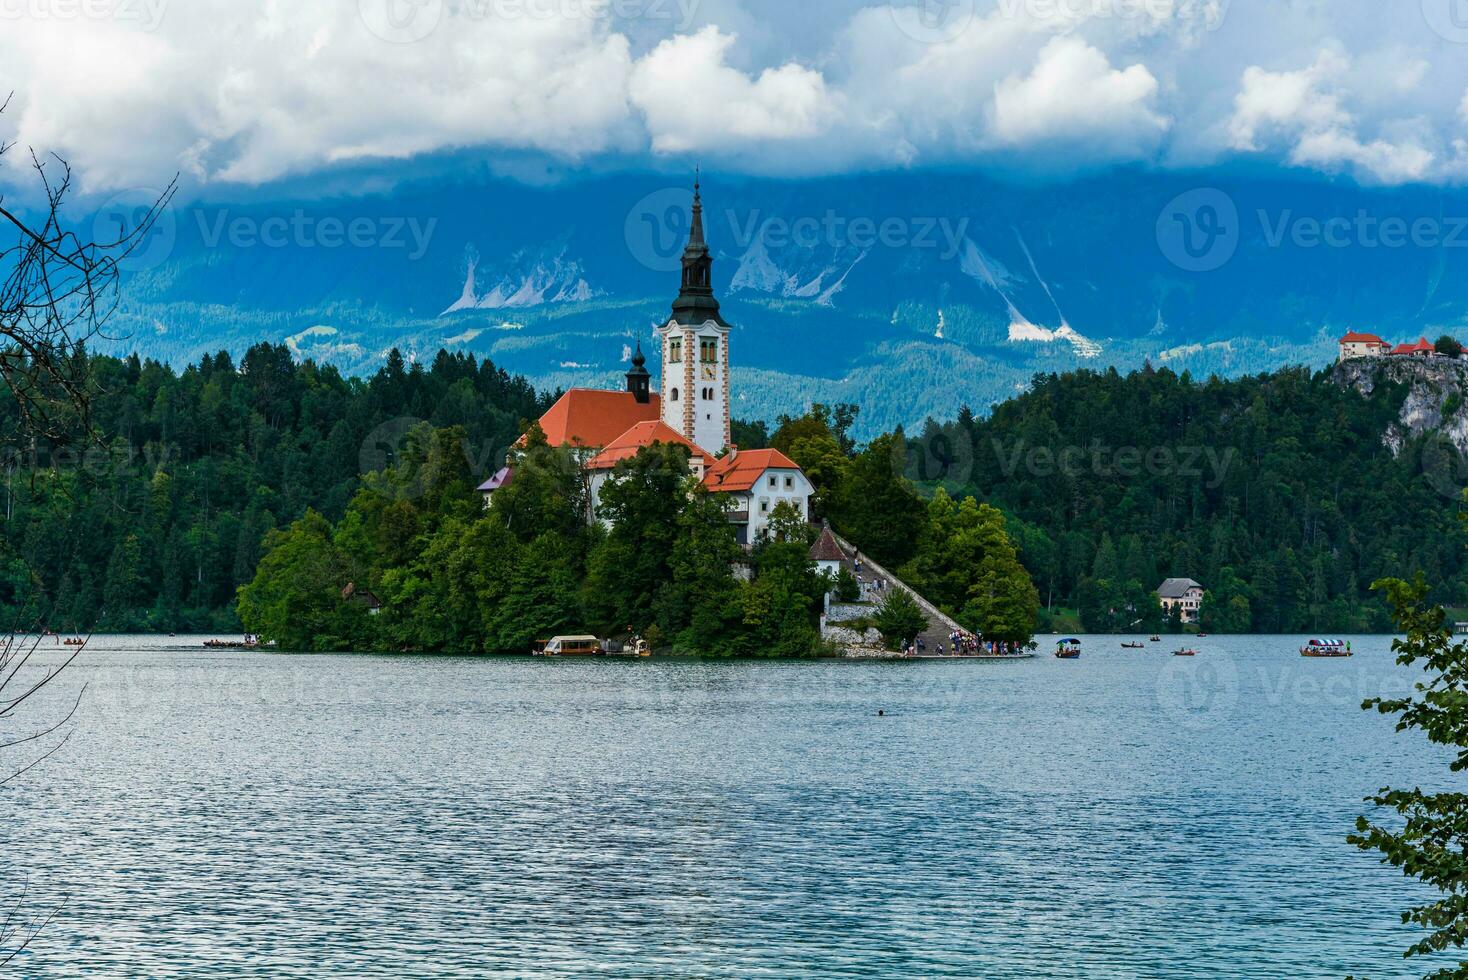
[{"x": 1431, "y": 843}]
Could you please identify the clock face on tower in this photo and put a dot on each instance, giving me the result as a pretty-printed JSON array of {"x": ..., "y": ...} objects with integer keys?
[{"x": 708, "y": 371}]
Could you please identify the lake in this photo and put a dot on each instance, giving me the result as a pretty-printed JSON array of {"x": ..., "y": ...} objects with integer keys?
[{"x": 243, "y": 814}]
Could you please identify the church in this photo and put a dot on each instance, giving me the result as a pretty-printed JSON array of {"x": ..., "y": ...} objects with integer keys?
[{"x": 691, "y": 408}]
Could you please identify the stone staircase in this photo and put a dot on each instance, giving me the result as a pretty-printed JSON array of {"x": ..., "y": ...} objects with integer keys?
[{"x": 940, "y": 625}]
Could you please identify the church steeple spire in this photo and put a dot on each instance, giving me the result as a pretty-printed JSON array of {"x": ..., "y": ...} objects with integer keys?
[
  {"x": 695, "y": 303},
  {"x": 695, "y": 231}
]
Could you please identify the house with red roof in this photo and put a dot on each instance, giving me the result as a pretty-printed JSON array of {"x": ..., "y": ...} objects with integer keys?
[
  {"x": 1420, "y": 349},
  {"x": 691, "y": 408},
  {"x": 758, "y": 481},
  {"x": 1355, "y": 345},
  {"x": 827, "y": 553}
]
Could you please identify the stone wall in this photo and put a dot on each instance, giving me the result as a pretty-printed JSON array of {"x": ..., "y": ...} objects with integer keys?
[
  {"x": 845, "y": 612},
  {"x": 845, "y": 636}
]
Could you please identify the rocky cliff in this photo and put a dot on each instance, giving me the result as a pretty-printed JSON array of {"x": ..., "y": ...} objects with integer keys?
[{"x": 1436, "y": 400}]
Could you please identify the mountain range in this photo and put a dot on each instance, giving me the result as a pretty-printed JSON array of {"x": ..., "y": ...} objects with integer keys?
[{"x": 911, "y": 294}]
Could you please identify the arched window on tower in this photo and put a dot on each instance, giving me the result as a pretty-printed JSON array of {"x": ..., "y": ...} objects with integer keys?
[{"x": 673, "y": 395}]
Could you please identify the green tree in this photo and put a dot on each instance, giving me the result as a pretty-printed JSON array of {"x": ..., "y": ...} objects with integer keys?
[
  {"x": 295, "y": 598},
  {"x": 899, "y": 619},
  {"x": 548, "y": 492},
  {"x": 876, "y": 507},
  {"x": 642, "y": 500},
  {"x": 541, "y": 599},
  {"x": 782, "y": 603},
  {"x": 125, "y": 589},
  {"x": 699, "y": 606},
  {"x": 1431, "y": 842},
  {"x": 1002, "y": 601}
]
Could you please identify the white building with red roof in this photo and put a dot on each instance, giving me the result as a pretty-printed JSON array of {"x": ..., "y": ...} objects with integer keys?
[
  {"x": 691, "y": 409},
  {"x": 1355, "y": 345},
  {"x": 759, "y": 480}
]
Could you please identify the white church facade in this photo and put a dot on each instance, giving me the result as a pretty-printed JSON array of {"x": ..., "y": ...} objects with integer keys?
[{"x": 691, "y": 407}]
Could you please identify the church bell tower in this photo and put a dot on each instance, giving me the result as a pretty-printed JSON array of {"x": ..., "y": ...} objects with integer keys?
[
  {"x": 638, "y": 380},
  {"x": 695, "y": 341}
]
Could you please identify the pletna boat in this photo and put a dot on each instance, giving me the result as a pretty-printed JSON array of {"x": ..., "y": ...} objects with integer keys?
[
  {"x": 573, "y": 646},
  {"x": 1068, "y": 649},
  {"x": 1326, "y": 648},
  {"x": 1133, "y": 646},
  {"x": 1156, "y": 639},
  {"x": 1185, "y": 652}
]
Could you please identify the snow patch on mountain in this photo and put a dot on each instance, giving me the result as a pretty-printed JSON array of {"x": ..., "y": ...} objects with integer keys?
[
  {"x": 758, "y": 272},
  {"x": 814, "y": 279},
  {"x": 531, "y": 279},
  {"x": 828, "y": 297},
  {"x": 1023, "y": 331}
]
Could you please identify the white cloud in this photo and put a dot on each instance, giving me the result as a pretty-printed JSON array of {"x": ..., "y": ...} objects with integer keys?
[
  {"x": 1389, "y": 162},
  {"x": 693, "y": 100},
  {"x": 1073, "y": 95},
  {"x": 1289, "y": 100},
  {"x": 250, "y": 91},
  {"x": 1306, "y": 110}
]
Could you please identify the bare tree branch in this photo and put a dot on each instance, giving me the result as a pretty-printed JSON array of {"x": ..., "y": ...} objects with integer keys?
[{"x": 57, "y": 290}]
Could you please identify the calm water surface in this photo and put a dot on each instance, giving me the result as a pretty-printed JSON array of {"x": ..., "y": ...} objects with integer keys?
[{"x": 1128, "y": 814}]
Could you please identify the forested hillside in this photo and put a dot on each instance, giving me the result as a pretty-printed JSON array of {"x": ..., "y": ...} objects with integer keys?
[
  {"x": 153, "y": 518},
  {"x": 1276, "y": 492}
]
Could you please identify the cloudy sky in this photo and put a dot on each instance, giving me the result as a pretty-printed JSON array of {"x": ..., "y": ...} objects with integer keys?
[{"x": 249, "y": 93}]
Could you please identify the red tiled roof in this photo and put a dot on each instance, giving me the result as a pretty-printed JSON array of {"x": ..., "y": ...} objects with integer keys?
[
  {"x": 1362, "y": 338},
  {"x": 743, "y": 470},
  {"x": 1421, "y": 347},
  {"x": 826, "y": 548},
  {"x": 592, "y": 418},
  {"x": 626, "y": 445}
]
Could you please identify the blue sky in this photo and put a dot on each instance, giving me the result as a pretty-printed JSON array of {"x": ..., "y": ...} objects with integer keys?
[{"x": 265, "y": 94}]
